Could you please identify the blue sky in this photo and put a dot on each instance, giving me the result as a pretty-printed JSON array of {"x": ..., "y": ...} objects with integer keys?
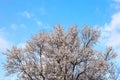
[{"x": 20, "y": 19}]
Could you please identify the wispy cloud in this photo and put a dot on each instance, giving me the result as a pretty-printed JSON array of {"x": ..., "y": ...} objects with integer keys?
[
  {"x": 13, "y": 26},
  {"x": 42, "y": 10},
  {"x": 17, "y": 26},
  {"x": 39, "y": 23},
  {"x": 30, "y": 16},
  {"x": 26, "y": 14}
]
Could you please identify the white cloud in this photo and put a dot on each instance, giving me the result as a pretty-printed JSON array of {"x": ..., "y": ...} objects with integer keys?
[
  {"x": 115, "y": 4},
  {"x": 2, "y": 32},
  {"x": 23, "y": 26},
  {"x": 4, "y": 44},
  {"x": 21, "y": 45},
  {"x": 111, "y": 35},
  {"x": 111, "y": 32},
  {"x": 39, "y": 23},
  {"x": 116, "y": 0}
]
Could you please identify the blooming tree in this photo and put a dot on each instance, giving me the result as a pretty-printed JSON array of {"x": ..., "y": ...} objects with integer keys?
[{"x": 61, "y": 55}]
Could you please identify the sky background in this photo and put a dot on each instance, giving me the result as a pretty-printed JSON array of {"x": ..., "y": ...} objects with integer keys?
[{"x": 20, "y": 19}]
